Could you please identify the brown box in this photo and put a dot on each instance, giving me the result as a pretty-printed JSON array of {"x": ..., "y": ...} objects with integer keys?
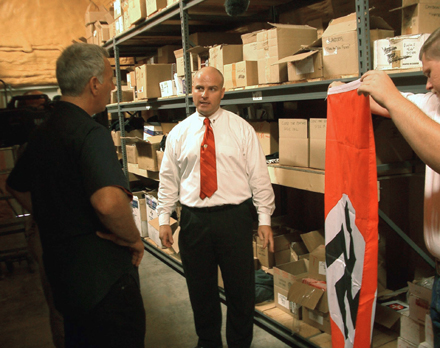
[
  {"x": 267, "y": 133},
  {"x": 249, "y": 41},
  {"x": 137, "y": 11},
  {"x": 294, "y": 143},
  {"x": 284, "y": 275},
  {"x": 223, "y": 54},
  {"x": 148, "y": 77},
  {"x": 197, "y": 57},
  {"x": 317, "y": 268},
  {"x": 280, "y": 42},
  {"x": 240, "y": 74},
  {"x": 419, "y": 301},
  {"x": 132, "y": 153},
  {"x": 136, "y": 133},
  {"x": 147, "y": 155},
  {"x": 281, "y": 242},
  {"x": 165, "y": 54},
  {"x": 159, "y": 155},
  {"x": 155, "y": 5},
  {"x": 420, "y": 16},
  {"x": 312, "y": 240},
  {"x": 317, "y": 142},
  {"x": 340, "y": 44}
]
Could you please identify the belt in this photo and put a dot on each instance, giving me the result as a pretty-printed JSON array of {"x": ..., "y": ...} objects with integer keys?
[{"x": 212, "y": 209}]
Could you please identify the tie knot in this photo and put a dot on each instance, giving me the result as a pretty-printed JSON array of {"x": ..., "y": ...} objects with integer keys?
[{"x": 206, "y": 121}]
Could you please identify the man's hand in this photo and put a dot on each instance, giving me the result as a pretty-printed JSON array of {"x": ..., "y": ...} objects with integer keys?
[
  {"x": 136, "y": 248},
  {"x": 380, "y": 87},
  {"x": 166, "y": 235},
  {"x": 266, "y": 235}
]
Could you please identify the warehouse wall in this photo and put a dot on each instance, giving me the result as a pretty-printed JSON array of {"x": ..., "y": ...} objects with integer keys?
[{"x": 33, "y": 33}]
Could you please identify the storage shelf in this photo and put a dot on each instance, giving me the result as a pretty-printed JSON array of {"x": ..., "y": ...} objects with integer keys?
[
  {"x": 414, "y": 82},
  {"x": 297, "y": 177}
]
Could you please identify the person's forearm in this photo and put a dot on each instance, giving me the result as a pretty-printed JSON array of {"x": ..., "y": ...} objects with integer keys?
[
  {"x": 421, "y": 132},
  {"x": 113, "y": 209}
]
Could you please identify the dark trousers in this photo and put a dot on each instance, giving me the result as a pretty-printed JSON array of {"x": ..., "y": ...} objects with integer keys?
[
  {"x": 118, "y": 321},
  {"x": 212, "y": 237}
]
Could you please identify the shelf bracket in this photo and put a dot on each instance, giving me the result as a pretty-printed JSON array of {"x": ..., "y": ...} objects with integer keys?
[
  {"x": 363, "y": 35},
  {"x": 186, "y": 59},
  {"x": 120, "y": 113}
]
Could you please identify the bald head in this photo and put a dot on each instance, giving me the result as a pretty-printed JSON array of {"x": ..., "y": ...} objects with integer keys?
[{"x": 209, "y": 72}]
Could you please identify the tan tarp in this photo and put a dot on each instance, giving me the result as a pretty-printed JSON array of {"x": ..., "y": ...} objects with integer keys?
[{"x": 32, "y": 35}]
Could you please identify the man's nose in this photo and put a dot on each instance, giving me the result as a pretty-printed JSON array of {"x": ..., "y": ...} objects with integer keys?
[{"x": 428, "y": 85}]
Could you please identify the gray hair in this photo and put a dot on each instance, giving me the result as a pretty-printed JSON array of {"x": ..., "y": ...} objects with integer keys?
[
  {"x": 431, "y": 47},
  {"x": 77, "y": 65}
]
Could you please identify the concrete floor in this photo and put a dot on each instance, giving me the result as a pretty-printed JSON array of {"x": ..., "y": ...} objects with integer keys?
[{"x": 24, "y": 319}]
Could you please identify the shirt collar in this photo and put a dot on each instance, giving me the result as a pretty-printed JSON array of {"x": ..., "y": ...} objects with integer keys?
[{"x": 213, "y": 118}]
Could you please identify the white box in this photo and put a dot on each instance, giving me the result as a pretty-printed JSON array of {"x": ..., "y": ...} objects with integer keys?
[
  {"x": 411, "y": 330},
  {"x": 399, "y": 52},
  {"x": 137, "y": 215},
  {"x": 168, "y": 88},
  {"x": 151, "y": 204}
]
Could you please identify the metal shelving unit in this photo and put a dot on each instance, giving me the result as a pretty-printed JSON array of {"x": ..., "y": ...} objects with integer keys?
[{"x": 173, "y": 25}]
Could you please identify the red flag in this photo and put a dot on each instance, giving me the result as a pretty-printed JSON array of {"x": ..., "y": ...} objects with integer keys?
[{"x": 351, "y": 217}]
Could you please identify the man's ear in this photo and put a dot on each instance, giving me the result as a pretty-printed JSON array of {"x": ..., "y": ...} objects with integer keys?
[{"x": 94, "y": 85}]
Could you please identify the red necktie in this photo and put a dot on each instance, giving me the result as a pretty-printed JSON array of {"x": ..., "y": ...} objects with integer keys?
[{"x": 208, "y": 167}]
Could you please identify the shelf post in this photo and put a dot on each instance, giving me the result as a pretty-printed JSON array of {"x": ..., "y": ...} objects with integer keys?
[
  {"x": 363, "y": 35},
  {"x": 120, "y": 113},
  {"x": 186, "y": 60}
]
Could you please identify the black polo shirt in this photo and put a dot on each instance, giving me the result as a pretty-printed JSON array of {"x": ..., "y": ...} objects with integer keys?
[{"x": 67, "y": 159}]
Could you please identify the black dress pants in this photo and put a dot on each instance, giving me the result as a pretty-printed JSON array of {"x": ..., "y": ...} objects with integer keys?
[
  {"x": 212, "y": 237},
  {"x": 118, "y": 321}
]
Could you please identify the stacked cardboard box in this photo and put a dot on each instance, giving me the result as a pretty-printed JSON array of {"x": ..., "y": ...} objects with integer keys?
[
  {"x": 294, "y": 142},
  {"x": 223, "y": 54},
  {"x": 420, "y": 16},
  {"x": 419, "y": 299},
  {"x": 340, "y": 44},
  {"x": 279, "y": 42},
  {"x": 400, "y": 52},
  {"x": 306, "y": 63},
  {"x": 137, "y": 11},
  {"x": 267, "y": 133},
  {"x": 317, "y": 137},
  {"x": 149, "y": 77},
  {"x": 240, "y": 74},
  {"x": 140, "y": 212}
]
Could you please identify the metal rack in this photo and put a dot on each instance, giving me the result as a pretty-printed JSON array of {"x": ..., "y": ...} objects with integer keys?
[{"x": 173, "y": 24}]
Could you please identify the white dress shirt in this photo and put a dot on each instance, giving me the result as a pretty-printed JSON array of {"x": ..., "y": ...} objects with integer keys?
[
  {"x": 430, "y": 105},
  {"x": 241, "y": 167}
]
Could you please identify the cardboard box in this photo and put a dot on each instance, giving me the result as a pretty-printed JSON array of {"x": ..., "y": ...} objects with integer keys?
[
  {"x": 165, "y": 54},
  {"x": 97, "y": 13},
  {"x": 267, "y": 133},
  {"x": 399, "y": 52},
  {"x": 340, "y": 44},
  {"x": 102, "y": 32},
  {"x": 280, "y": 42},
  {"x": 223, "y": 54},
  {"x": 151, "y": 130},
  {"x": 147, "y": 157},
  {"x": 317, "y": 267},
  {"x": 281, "y": 242},
  {"x": 168, "y": 88},
  {"x": 153, "y": 232},
  {"x": 314, "y": 303},
  {"x": 155, "y": 5},
  {"x": 420, "y": 16},
  {"x": 127, "y": 94},
  {"x": 197, "y": 57},
  {"x": 140, "y": 213},
  {"x": 159, "y": 155},
  {"x": 137, "y": 11},
  {"x": 284, "y": 275},
  {"x": 249, "y": 41},
  {"x": 402, "y": 343},
  {"x": 317, "y": 135},
  {"x": 151, "y": 205},
  {"x": 419, "y": 301},
  {"x": 171, "y": 2},
  {"x": 149, "y": 77},
  {"x": 167, "y": 127},
  {"x": 411, "y": 330},
  {"x": 312, "y": 239},
  {"x": 136, "y": 133},
  {"x": 306, "y": 63},
  {"x": 132, "y": 153},
  {"x": 240, "y": 74},
  {"x": 293, "y": 143}
]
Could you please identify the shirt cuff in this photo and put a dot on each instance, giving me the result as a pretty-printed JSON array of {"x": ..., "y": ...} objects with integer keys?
[
  {"x": 164, "y": 219},
  {"x": 263, "y": 219}
]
